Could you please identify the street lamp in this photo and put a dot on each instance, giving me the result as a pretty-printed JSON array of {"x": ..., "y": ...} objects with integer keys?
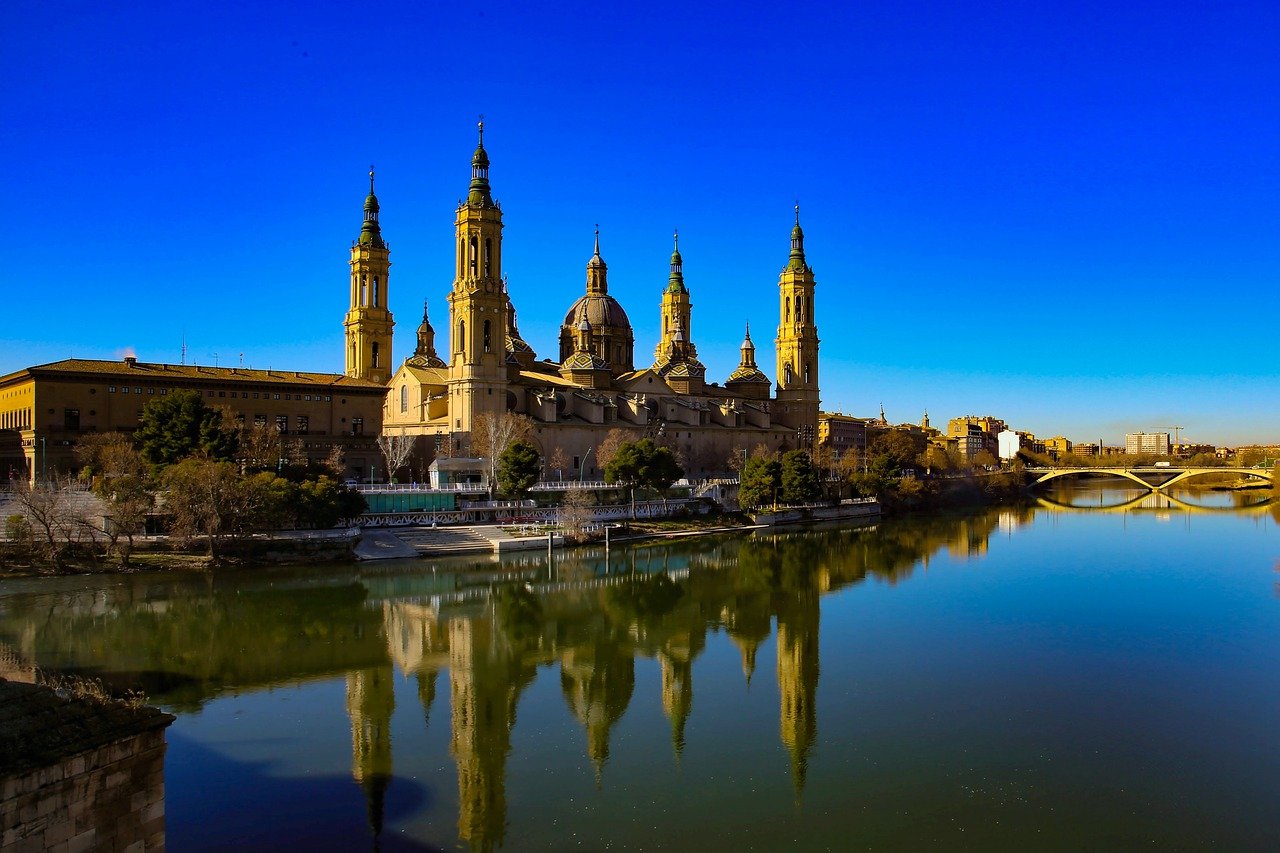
[{"x": 582, "y": 469}]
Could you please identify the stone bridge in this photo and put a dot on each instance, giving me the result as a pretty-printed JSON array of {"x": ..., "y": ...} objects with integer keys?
[{"x": 1143, "y": 476}]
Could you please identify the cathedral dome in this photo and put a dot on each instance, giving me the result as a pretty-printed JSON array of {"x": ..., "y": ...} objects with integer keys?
[{"x": 601, "y": 310}]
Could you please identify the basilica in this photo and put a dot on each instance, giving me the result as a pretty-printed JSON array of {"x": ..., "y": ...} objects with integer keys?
[{"x": 594, "y": 385}]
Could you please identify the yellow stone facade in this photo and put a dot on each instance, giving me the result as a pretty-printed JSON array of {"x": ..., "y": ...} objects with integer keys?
[{"x": 595, "y": 386}]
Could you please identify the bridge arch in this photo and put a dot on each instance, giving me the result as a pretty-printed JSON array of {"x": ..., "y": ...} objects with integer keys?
[
  {"x": 1258, "y": 473},
  {"x": 1094, "y": 472}
]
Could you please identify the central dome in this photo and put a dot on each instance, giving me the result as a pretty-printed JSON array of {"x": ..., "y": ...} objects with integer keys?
[
  {"x": 611, "y": 336},
  {"x": 602, "y": 310}
]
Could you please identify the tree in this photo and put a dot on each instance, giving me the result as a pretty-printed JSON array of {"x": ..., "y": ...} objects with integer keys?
[
  {"x": 642, "y": 463},
  {"x": 558, "y": 461},
  {"x": 900, "y": 449},
  {"x": 491, "y": 434},
  {"x": 760, "y": 482},
  {"x": 118, "y": 475},
  {"x": 518, "y": 468},
  {"x": 179, "y": 425},
  {"x": 260, "y": 447},
  {"x": 574, "y": 513},
  {"x": 608, "y": 447},
  {"x": 799, "y": 478},
  {"x": 54, "y": 514},
  {"x": 206, "y": 498},
  {"x": 396, "y": 450}
]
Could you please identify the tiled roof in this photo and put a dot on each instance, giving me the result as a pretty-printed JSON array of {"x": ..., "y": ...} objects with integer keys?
[{"x": 140, "y": 371}]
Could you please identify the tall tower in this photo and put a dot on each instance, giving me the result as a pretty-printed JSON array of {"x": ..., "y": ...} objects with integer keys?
[
  {"x": 677, "y": 313},
  {"x": 478, "y": 304},
  {"x": 797, "y": 344},
  {"x": 368, "y": 323}
]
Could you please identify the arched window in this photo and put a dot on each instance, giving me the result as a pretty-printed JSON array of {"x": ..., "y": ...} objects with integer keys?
[
  {"x": 375, "y": 354},
  {"x": 473, "y": 255},
  {"x": 806, "y": 373},
  {"x": 404, "y": 398},
  {"x": 375, "y": 291},
  {"x": 488, "y": 258},
  {"x": 364, "y": 289},
  {"x": 486, "y": 335},
  {"x": 462, "y": 336},
  {"x": 788, "y": 372},
  {"x": 788, "y": 316}
]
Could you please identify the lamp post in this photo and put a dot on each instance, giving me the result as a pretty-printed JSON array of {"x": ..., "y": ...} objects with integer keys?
[
  {"x": 44, "y": 459},
  {"x": 582, "y": 469}
]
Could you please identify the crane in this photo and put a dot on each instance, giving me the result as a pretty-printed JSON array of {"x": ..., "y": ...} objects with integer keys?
[{"x": 1176, "y": 442}]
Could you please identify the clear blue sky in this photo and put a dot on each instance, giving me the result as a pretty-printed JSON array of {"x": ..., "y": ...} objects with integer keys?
[{"x": 1066, "y": 215}]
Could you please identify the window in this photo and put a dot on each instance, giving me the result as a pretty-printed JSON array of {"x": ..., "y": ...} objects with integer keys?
[
  {"x": 327, "y": 398},
  {"x": 255, "y": 395},
  {"x": 404, "y": 398},
  {"x": 364, "y": 289},
  {"x": 486, "y": 335},
  {"x": 164, "y": 391},
  {"x": 275, "y": 396},
  {"x": 71, "y": 419},
  {"x": 473, "y": 255},
  {"x": 357, "y": 426},
  {"x": 259, "y": 420},
  {"x": 282, "y": 423},
  {"x": 124, "y": 389},
  {"x": 375, "y": 291},
  {"x": 462, "y": 336},
  {"x": 151, "y": 390},
  {"x": 210, "y": 394},
  {"x": 376, "y": 360},
  {"x": 111, "y": 389},
  {"x": 788, "y": 316},
  {"x": 304, "y": 424},
  {"x": 137, "y": 390},
  {"x": 288, "y": 396},
  {"x": 487, "y": 256},
  {"x": 222, "y": 393}
]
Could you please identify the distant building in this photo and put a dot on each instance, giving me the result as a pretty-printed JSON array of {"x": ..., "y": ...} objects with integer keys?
[
  {"x": 975, "y": 434},
  {"x": 1010, "y": 443},
  {"x": 1084, "y": 449},
  {"x": 1147, "y": 443},
  {"x": 46, "y": 410},
  {"x": 1057, "y": 447},
  {"x": 842, "y": 433}
]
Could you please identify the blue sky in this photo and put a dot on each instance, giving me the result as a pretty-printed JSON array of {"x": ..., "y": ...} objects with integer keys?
[{"x": 1066, "y": 215}]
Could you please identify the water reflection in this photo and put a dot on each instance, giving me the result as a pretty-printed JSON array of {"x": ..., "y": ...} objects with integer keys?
[{"x": 190, "y": 640}]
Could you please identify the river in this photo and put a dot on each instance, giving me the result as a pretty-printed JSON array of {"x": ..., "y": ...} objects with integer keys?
[{"x": 1097, "y": 670}]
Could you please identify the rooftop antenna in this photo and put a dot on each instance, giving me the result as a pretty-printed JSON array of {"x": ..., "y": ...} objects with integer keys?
[
  {"x": 215, "y": 359},
  {"x": 184, "y": 347},
  {"x": 242, "y": 359}
]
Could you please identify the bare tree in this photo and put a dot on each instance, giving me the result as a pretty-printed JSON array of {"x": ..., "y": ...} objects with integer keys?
[
  {"x": 260, "y": 446},
  {"x": 396, "y": 450},
  {"x": 56, "y": 513},
  {"x": 558, "y": 461},
  {"x": 119, "y": 476},
  {"x": 491, "y": 434},
  {"x": 614, "y": 439},
  {"x": 575, "y": 514}
]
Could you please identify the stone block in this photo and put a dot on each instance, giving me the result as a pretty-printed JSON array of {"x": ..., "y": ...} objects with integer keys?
[
  {"x": 58, "y": 832},
  {"x": 136, "y": 847},
  {"x": 116, "y": 778},
  {"x": 153, "y": 811},
  {"x": 138, "y": 800},
  {"x": 83, "y": 842}
]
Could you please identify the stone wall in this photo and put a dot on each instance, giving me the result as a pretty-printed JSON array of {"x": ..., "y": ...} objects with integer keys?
[{"x": 108, "y": 798}]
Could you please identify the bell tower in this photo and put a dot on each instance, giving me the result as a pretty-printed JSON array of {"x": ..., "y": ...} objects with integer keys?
[
  {"x": 797, "y": 345},
  {"x": 677, "y": 313},
  {"x": 478, "y": 319},
  {"x": 368, "y": 323}
]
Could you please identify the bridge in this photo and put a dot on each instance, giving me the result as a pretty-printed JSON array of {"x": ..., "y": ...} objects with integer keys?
[
  {"x": 1171, "y": 475},
  {"x": 1162, "y": 503}
]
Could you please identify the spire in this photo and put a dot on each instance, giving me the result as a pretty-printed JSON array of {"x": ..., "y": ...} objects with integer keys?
[
  {"x": 748, "y": 350},
  {"x": 797, "y": 244},
  {"x": 597, "y": 271},
  {"x": 370, "y": 231},
  {"x": 479, "y": 191},
  {"x": 676, "y": 281}
]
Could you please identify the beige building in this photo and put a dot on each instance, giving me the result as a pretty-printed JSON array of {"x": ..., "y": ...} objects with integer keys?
[
  {"x": 594, "y": 384},
  {"x": 1147, "y": 442},
  {"x": 45, "y": 410}
]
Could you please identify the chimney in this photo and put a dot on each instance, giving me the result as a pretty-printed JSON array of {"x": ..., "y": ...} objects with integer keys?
[{"x": 130, "y": 361}]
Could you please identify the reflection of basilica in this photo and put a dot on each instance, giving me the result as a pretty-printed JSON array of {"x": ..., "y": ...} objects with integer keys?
[{"x": 489, "y": 641}]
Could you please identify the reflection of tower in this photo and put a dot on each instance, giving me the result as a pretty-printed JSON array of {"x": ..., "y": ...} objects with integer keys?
[
  {"x": 677, "y": 691},
  {"x": 798, "y": 678},
  {"x": 748, "y": 623},
  {"x": 370, "y": 700},
  {"x": 485, "y": 685},
  {"x": 597, "y": 682}
]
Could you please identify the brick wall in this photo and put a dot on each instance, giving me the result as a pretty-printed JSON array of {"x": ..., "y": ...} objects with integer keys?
[{"x": 109, "y": 798}]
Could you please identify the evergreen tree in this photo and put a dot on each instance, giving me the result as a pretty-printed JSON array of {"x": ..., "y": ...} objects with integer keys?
[
  {"x": 518, "y": 468},
  {"x": 800, "y": 481},
  {"x": 761, "y": 480},
  {"x": 179, "y": 425}
]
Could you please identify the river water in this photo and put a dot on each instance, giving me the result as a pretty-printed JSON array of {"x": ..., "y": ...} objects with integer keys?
[{"x": 1104, "y": 676}]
